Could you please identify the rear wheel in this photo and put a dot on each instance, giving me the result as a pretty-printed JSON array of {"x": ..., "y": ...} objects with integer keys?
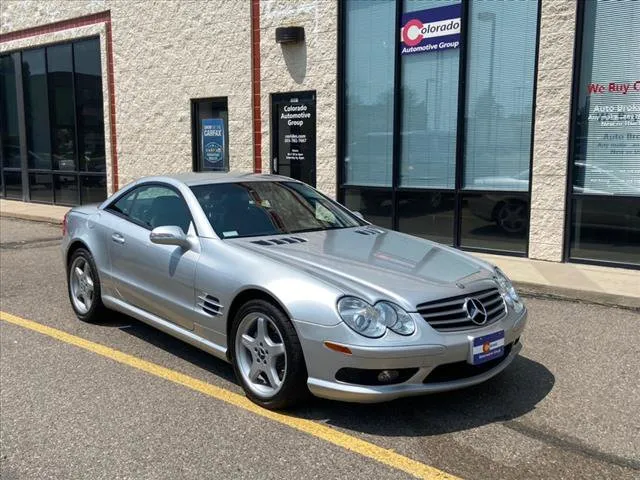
[
  {"x": 84, "y": 287},
  {"x": 267, "y": 356}
]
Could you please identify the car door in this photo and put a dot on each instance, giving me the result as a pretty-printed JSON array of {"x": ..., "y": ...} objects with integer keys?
[{"x": 159, "y": 279}]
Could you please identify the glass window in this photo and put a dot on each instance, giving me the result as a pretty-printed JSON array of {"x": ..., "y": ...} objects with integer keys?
[
  {"x": 606, "y": 229},
  {"x": 93, "y": 188},
  {"x": 429, "y": 111},
  {"x": 61, "y": 104},
  {"x": 374, "y": 204},
  {"x": 250, "y": 209},
  {"x": 41, "y": 187},
  {"x": 495, "y": 221},
  {"x": 499, "y": 104},
  {"x": 154, "y": 206},
  {"x": 210, "y": 126},
  {"x": 9, "y": 114},
  {"x": 428, "y": 215},
  {"x": 34, "y": 80},
  {"x": 607, "y": 128},
  {"x": 65, "y": 189},
  {"x": 12, "y": 184},
  {"x": 89, "y": 107},
  {"x": 369, "y": 69}
]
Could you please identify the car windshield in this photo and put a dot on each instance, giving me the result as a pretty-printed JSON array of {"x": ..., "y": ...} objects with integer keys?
[{"x": 249, "y": 209}]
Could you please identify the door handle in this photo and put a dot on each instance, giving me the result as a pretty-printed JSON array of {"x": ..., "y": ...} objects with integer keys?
[
  {"x": 116, "y": 237},
  {"x": 274, "y": 165}
]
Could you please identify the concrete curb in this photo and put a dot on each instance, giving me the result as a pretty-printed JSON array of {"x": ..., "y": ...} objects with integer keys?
[
  {"x": 31, "y": 217},
  {"x": 553, "y": 292}
]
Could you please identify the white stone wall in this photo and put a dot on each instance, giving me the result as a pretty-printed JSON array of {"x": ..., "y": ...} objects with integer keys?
[
  {"x": 299, "y": 67},
  {"x": 165, "y": 54},
  {"x": 551, "y": 135}
]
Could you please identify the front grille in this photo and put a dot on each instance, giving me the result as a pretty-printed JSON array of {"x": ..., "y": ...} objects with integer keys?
[
  {"x": 460, "y": 370},
  {"x": 449, "y": 315}
]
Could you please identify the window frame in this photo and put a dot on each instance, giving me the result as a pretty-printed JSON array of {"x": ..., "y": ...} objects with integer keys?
[
  {"x": 136, "y": 189},
  {"x": 25, "y": 170},
  {"x": 396, "y": 189},
  {"x": 195, "y": 134}
]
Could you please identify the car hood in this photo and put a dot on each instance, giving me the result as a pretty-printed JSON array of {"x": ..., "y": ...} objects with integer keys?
[{"x": 376, "y": 263}]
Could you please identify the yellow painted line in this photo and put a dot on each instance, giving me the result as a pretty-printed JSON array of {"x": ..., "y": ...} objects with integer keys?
[{"x": 328, "y": 434}]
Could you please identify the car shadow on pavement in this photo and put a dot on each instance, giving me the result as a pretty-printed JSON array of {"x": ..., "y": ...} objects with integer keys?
[
  {"x": 179, "y": 348},
  {"x": 511, "y": 394}
]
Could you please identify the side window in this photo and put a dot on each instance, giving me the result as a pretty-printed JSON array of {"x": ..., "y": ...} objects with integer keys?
[
  {"x": 154, "y": 206},
  {"x": 123, "y": 206}
]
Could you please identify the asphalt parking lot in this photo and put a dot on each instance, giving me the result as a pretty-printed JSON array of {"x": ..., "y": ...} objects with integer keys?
[{"x": 568, "y": 407}]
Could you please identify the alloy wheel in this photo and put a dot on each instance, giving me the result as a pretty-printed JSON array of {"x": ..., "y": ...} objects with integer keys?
[
  {"x": 81, "y": 281},
  {"x": 260, "y": 354}
]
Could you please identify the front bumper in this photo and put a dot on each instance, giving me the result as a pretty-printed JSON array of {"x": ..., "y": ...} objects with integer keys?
[{"x": 435, "y": 349}]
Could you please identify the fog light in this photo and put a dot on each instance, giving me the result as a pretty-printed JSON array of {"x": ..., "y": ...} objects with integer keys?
[{"x": 387, "y": 376}]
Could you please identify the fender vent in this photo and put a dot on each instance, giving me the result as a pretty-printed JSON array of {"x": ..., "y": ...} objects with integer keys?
[
  {"x": 209, "y": 304},
  {"x": 369, "y": 231},
  {"x": 279, "y": 241}
]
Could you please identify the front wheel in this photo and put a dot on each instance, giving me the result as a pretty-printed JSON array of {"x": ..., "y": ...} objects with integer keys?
[{"x": 267, "y": 356}]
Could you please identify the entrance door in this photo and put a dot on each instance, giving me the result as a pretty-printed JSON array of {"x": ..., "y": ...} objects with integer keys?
[{"x": 293, "y": 135}]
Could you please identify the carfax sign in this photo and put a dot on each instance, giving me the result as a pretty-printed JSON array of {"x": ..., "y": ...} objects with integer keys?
[
  {"x": 431, "y": 30},
  {"x": 213, "y": 143}
]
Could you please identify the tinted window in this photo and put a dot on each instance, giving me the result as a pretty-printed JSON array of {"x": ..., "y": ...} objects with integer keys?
[
  {"x": 154, "y": 206},
  {"x": 265, "y": 208},
  {"x": 369, "y": 92},
  {"x": 34, "y": 75},
  {"x": 429, "y": 112},
  {"x": 499, "y": 107},
  {"x": 60, "y": 78},
  {"x": 90, "y": 115}
]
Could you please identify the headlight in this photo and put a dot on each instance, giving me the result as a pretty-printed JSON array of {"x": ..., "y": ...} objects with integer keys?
[
  {"x": 508, "y": 291},
  {"x": 373, "y": 320}
]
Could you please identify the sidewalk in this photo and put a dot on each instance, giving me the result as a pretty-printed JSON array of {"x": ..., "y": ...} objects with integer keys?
[
  {"x": 32, "y": 211},
  {"x": 588, "y": 283}
]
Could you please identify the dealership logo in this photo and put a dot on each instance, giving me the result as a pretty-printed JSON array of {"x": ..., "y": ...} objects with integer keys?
[
  {"x": 429, "y": 30},
  {"x": 414, "y": 31}
]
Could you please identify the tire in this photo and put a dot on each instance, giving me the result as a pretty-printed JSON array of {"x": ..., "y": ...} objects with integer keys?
[
  {"x": 267, "y": 357},
  {"x": 84, "y": 290}
]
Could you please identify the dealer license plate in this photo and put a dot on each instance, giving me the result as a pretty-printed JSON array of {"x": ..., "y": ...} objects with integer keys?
[{"x": 485, "y": 348}]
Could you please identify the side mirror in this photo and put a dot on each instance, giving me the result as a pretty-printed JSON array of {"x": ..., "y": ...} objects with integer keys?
[
  {"x": 169, "y": 235},
  {"x": 359, "y": 215}
]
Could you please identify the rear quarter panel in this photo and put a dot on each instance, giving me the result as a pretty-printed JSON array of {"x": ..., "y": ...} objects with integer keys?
[{"x": 85, "y": 228}]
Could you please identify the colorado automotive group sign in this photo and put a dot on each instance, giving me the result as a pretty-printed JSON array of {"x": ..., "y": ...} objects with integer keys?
[{"x": 431, "y": 30}]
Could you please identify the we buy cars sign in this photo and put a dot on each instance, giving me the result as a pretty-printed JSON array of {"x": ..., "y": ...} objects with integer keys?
[{"x": 431, "y": 30}]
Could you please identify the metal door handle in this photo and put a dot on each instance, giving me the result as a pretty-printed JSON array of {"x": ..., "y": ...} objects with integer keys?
[
  {"x": 116, "y": 237},
  {"x": 274, "y": 165}
]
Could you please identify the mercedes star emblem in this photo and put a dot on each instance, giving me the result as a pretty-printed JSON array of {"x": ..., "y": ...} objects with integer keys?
[{"x": 475, "y": 311}]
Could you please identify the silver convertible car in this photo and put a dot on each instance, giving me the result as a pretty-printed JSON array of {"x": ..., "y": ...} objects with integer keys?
[{"x": 297, "y": 292}]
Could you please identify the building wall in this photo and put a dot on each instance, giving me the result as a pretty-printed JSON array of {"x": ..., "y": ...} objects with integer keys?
[
  {"x": 311, "y": 65},
  {"x": 551, "y": 135},
  {"x": 165, "y": 54}
]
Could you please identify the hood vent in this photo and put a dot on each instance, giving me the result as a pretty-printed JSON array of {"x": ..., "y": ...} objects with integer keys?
[
  {"x": 209, "y": 304},
  {"x": 369, "y": 231},
  {"x": 279, "y": 241}
]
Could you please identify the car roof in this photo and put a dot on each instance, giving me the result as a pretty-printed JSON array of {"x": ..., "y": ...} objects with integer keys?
[{"x": 203, "y": 178}]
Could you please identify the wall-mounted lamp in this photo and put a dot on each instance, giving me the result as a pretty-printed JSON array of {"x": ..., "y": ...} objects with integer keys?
[{"x": 289, "y": 34}]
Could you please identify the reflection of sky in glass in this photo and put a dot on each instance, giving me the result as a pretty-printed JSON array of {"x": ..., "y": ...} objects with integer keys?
[
  {"x": 369, "y": 59},
  {"x": 499, "y": 101}
]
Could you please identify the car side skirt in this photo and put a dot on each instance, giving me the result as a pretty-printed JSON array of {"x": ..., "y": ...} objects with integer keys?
[{"x": 165, "y": 326}]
